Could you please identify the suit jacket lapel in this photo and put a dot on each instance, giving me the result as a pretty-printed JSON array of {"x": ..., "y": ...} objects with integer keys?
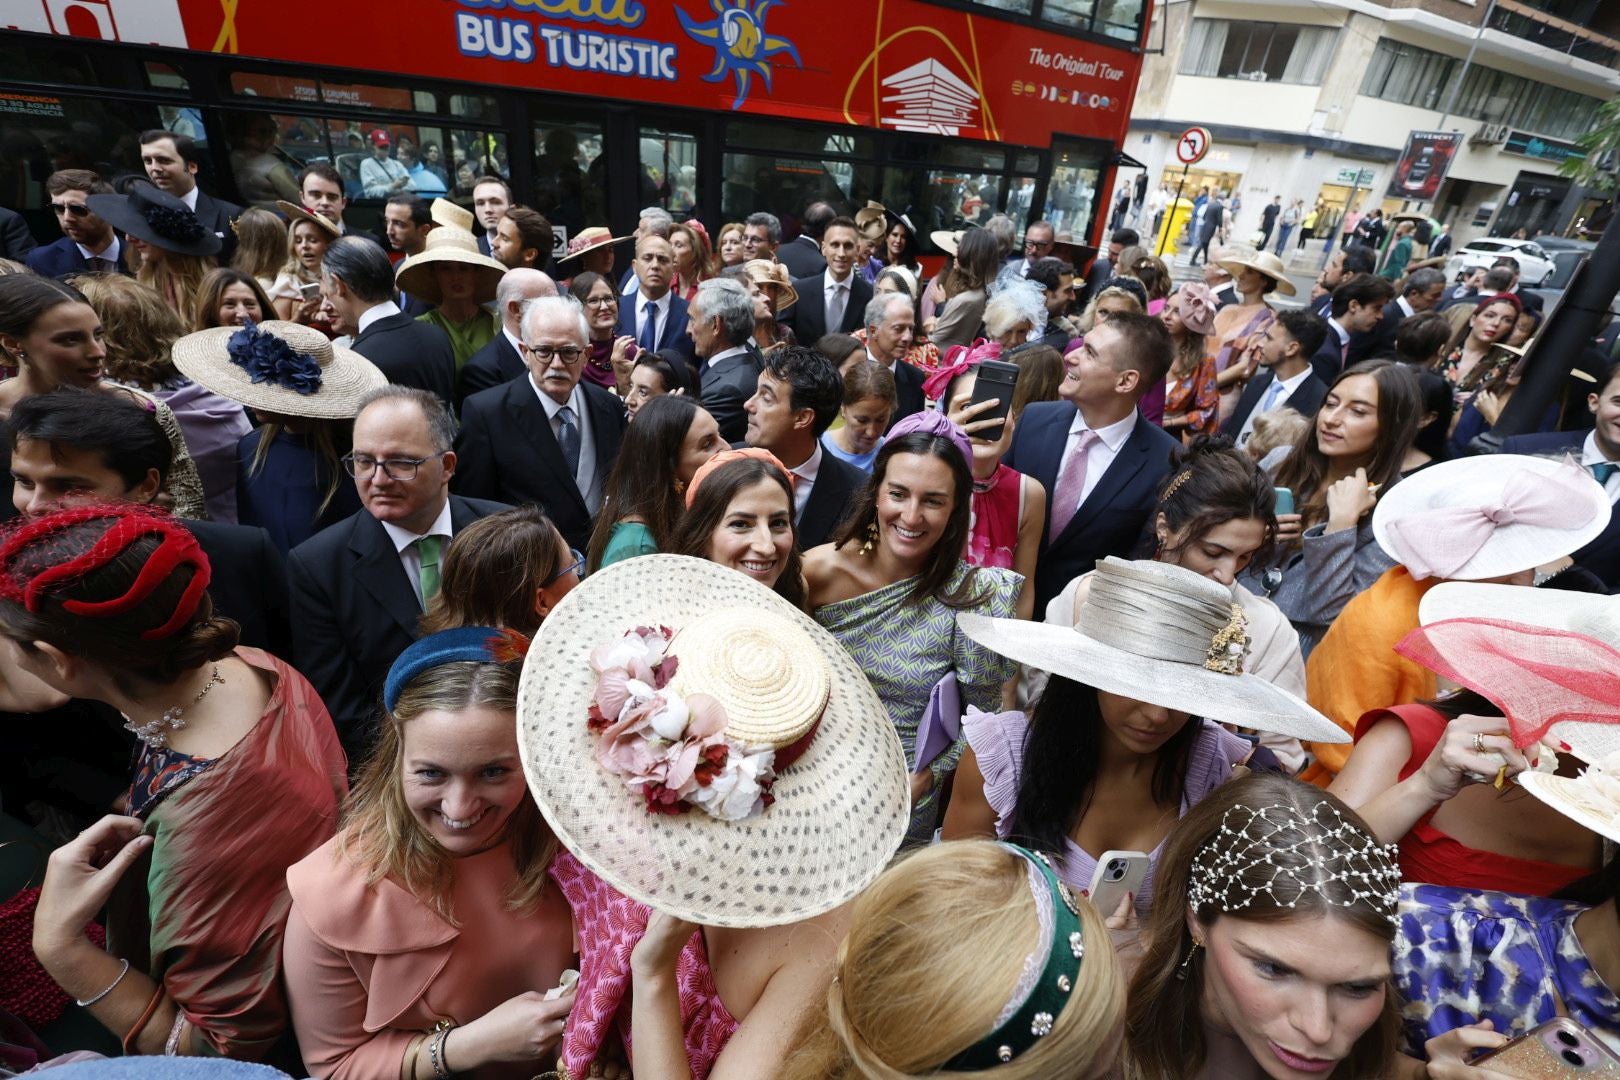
[
  {"x": 528, "y": 416},
  {"x": 607, "y": 428},
  {"x": 378, "y": 570}
]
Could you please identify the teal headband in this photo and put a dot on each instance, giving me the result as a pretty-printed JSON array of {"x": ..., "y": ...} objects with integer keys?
[{"x": 1036, "y": 1002}]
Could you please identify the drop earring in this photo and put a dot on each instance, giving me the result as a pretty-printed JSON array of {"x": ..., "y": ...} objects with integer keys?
[
  {"x": 871, "y": 539},
  {"x": 1181, "y": 970}
]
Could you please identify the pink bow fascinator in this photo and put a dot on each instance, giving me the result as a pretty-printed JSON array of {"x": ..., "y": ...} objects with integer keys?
[
  {"x": 957, "y": 359},
  {"x": 1198, "y": 307}
]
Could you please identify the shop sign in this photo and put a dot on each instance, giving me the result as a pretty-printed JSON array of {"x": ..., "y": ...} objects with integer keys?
[
  {"x": 1353, "y": 177},
  {"x": 1534, "y": 146}
]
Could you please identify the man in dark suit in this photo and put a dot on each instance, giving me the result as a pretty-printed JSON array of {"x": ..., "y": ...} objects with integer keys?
[
  {"x": 171, "y": 162},
  {"x": 653, "y": 315},
  {"x": 1598, "y": 451},
  {"x": 1286, "y": 346},
  {"x": 501, "y": 360},
  {"x": 15, "y": 239},
  {"x": 358, "y": 587},
  {"x": 1345, "y": 264},
  {"x": 1103, "y": 268},
  {"x": 1421, "y": 292},
  {"x": 492, "y": 196},
  {"x": 1357, "y": 306},
  {"x": 802, "y": 255},
  {"x": 89, "y": 243},
  {"x": 721, "y": 323},
  {"x": 71, "y": 446},
  {"x": 321, "y": 188},
  {"x": 798, "y": 396},
  {"x": 546, "y": 438},
  {"x": 833, "y": 301},
  {"x": 357, "y": 283},
  {"x": 890, "y": 329},
  {"x": 1098, "y": 456}
]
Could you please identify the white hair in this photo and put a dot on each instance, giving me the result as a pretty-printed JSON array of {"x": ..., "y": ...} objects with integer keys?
[
  {"x": 555, "y": 307},
  {"x": 1015, "y": 303},
  {"x": 877, "y": 309}
]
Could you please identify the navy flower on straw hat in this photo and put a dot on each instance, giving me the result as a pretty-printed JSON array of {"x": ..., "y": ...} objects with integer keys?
[
  {"x": 279, "y": 367},
  {"x": 155, "y": 217}
]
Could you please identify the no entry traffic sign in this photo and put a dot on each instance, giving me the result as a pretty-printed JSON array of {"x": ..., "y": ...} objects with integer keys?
[{"x": 1193, "y": 145}]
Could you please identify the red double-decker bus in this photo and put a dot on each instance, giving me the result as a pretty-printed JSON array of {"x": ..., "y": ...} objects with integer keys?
[{"x": 949, "y": 111}]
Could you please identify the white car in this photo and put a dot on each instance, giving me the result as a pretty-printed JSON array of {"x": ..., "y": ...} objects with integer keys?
[{"x": 1536, "y": 267}]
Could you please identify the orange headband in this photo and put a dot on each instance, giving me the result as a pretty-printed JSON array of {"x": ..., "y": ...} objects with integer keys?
[{"x": 726, "y": 456}]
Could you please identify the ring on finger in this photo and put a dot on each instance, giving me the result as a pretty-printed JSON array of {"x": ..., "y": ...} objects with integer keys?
[{"x": 1479, "y": 743}]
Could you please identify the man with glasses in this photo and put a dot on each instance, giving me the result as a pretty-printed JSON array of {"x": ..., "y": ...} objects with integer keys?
[
  {"x": 762, "y": 233},
  {"x": 1039, "y": 239},
  {"x": 89, "y": 244},
  {"x": 358, "y": 587},
  {"x": 547, "y": 439}
]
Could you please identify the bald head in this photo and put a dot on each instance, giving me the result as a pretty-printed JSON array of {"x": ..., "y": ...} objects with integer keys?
[{"x": 517, "y": 288}]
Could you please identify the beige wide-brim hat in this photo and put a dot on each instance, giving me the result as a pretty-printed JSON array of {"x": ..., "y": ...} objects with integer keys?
[
  {"x": 445, "y": 212},
  {"x": 768, "y": 274},
  {"x": 1580, "y": 798},
  {"x": 946, "y": 240},
  {"x": 346, "y": 377},
  {"x": 1264, "y": 262},
  {"x": 588, "y": 240},
  {"x": 840, "y": 809},
  {"x": 1409, "y": 524},
  {"x": 1592, "y": 615},
  {"x": 296, "y": 213},
  {"x": 1147, "y": 631},
  {"x": 448, "y": 244},
  {"x": 872, "y": 220}
]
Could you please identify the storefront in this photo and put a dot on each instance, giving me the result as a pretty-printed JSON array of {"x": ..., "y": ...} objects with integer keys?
[
  {"x": 1333, "y": 197},
  {"x": 1531, "y": 206}
]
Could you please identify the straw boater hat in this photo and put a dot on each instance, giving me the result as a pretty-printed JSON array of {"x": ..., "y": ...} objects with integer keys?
[
  {"x": 280, "y": 367},
  {"x": 445, "y": 212},
  {"x": 591, "y": 239},
  {"x": 1264, "y": 262},
  {"x": 1162, "y": 634},
  {"x": 449, "y": 244},
  {"x": 155, "y": 217},
  {"x": 296, "y": 213},
  {"x": 768, "y": 274},
  {"x": 1591, "y": 799},
  {"x": 1489, "y": 516},
  {"x": 839, "y": 805}
]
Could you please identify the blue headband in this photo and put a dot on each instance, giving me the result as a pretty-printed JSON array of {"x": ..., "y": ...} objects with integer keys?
[{"x": 465, "y": 644}]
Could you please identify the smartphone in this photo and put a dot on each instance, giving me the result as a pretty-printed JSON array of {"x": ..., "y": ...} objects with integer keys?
[
  {"x": 310, "y": 291},
  {"x": 1285, "y": 500},
  {"x": 1560, "y": 1049},
  {"x": 1118, "y": 874},
  {"x": 996, "y": 381}
]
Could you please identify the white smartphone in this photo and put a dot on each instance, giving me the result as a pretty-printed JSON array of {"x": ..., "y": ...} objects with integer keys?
[
  {"x": 310, "y": 290},
  {"x": 1118, "y": 874}
]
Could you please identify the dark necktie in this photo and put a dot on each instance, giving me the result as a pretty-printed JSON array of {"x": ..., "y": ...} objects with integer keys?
[
  {"x": 98, "y": 265},
  {"x": 568, "y": 438},
  {"x": 649, "y": 327},
  {"x": 1602, "y": 470}
]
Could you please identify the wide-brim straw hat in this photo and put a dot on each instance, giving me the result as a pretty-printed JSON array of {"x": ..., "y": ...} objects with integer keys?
[
  {"x": 346, "y": 376},
  {"x": 946, "y": 239},
  {"x": 445, "y": 212},
  {"x": 448, "y": 244},
  {"x": 875, "y": 220},
  {"x": 153, "y": 216},
  {"x": 296, "y": 213},
  {"x": 1161, "y": 634},
  {"x": 1580, "y": 798},
  {"x": 1432, "y": 518},
  {"x": 768, "y": 274},
  {"x": 587, "y": 240},
  {"x": 1264, "y": 262},
  {"x": 840, "y": 809}
]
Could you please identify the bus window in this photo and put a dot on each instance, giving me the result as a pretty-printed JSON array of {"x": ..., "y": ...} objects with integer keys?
[
  {"x": 421, "y": 151},
  {"x": 668, "y": 171},
  {"x": 785, "y": 186},
  {"x": 1072, "y": 191},
  {"x": 268, "y": 150},
  {"x": 570, "y": 180},
  {"x": 474, "y": 154},
  {"x": 1020, "y": 193},
  {"x": 941, "y": 199}
]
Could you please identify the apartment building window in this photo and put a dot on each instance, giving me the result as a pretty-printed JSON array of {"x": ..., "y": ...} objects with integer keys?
[
  {"x": 1261, "y": 51},
  {"x": 1408, "y": 75}
]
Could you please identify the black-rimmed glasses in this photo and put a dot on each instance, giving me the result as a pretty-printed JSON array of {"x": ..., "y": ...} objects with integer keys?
[
  {"x": 358, "y": 465},
  {"x": 570, "y": 354}
]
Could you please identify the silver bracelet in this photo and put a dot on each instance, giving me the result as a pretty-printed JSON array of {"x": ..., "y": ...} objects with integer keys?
[{"x": 89, "y": 1001}]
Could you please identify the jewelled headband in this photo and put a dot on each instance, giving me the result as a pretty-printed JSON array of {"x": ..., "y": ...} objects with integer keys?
[
  {"x": 1282, "y": 854},
  {"x": 1050, "y": 972}
]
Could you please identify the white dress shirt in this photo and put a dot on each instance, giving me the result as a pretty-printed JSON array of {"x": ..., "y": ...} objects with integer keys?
[
  {"x": 110, "y": 252},
  {"x": 806, "y": 473},
  {"x": 829, "y": 285},
  {"x": 1289, "y": 385},
  {"x": 1406, "y": 309},
  {"x": 516, "y": 342},
  {"x": 409, "y": 557},
  {"x": 1102, "y": 452},
  {"x": 660, "y": 314},
  {"x": 1591, "y": 455},
  {"x": 1344, "y": 335},
  {"x": 190, "y": 199},
  {"x": 585, "y": 477},
  {"x": 721, "y": 358},
  {"x": 371, "y": 315}
]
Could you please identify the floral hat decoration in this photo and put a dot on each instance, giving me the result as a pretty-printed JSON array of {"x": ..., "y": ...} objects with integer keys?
[
  {"x": 706, "y": 748},
  {"x": 152, "y": 215},
  {"x": 279, "y": 367}
]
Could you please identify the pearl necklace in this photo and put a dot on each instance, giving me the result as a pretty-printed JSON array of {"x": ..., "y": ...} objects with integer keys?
[{"x": 155, "y": 733}]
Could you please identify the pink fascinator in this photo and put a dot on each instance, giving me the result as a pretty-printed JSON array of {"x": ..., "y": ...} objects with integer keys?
[
  {"x": 1198, "y": 307},
  {"x": 957, "y": 359}
]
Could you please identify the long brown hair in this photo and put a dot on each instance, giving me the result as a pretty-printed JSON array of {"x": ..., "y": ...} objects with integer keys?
[
  {"x": 261, "y": 243},
  {"x": 709, "y": 508},
  {"x": 975, "y": 265},
  {"x": 643, "y": 481},
  {"x": 1164, "y": 1028},
  {"x": 330, "y": 440},
  {"x": 492, "y": 570},
  {"x": 1400, "y": 410},
  {"x": 140, "y": 325},
  {"x": 205, "y": 311}
]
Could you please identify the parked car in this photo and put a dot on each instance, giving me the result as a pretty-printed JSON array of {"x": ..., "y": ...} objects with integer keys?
[{"x": 1536, "y": 267}]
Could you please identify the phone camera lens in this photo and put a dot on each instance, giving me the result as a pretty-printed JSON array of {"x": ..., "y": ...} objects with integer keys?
[
  {"x": 1574, "y": 1059},
  {"x": 1568, "y": 1039}
]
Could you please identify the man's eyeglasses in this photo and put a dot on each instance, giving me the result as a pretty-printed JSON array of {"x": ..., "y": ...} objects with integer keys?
[
  {"x": 575, "y": 567},
  {"x": 77, "y": 209},
  {"x": 359, "y": 465},
  {"x": 1037, "y": 245},
  {"x": 570, "y": 354}
]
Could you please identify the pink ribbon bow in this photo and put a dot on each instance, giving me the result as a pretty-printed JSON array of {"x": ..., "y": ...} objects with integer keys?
[
  {"x": 1197, "y": 307},
  {"x": 1438, "y": 543},
  {"x": 958, "y": 358}
]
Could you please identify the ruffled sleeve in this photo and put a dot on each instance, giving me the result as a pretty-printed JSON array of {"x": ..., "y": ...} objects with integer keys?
[
  {"x": 979, "y": 672},
  {"x": 997, "y": 740}
]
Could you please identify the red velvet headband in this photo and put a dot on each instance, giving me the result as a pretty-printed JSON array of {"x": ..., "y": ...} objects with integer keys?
[{"x": 128, "y": 524}]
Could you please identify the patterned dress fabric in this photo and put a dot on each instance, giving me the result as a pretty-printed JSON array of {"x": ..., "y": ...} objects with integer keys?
[
  {"x": 1462, "y": 957},
  {"x": 907, "y": 648}
]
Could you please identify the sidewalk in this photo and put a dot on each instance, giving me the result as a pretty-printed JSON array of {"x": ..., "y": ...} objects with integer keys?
[{"x": 1303, "y": 265}]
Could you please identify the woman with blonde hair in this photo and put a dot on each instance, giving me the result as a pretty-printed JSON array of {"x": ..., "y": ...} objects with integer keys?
[
  {"x": 693, "y": 262},
  {"x": 728, "y": 245},
  {"x": 307, "y": 239},
  {"x": 170, "y": 249},
  {"x": 1015, "y": 316},
  {"x": 507, "y": 570},
  {"x": 968, "y": 958},
  {"x": 261, "y": 245}
]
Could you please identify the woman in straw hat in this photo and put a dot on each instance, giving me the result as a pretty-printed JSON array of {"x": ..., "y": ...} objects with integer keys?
[
  {"x": 451, "y": 274},
  {"x": 771, "y": 286},
  {"x": 1268, "y": 948},
  {"x": 1192, "y": 396},
  {"x": 891, "y": 584},
  {"x": 1126, "y": 735},
  {"x": 591, "y": 250},
  {"x": 715, "y": 906},
  {"x": 968, "y": 958},
  {"x": 110, "y": 604},
  {"x": 967, "y": 289},
  {"x": 609, "y": 355},
  {"x": 308, "y": 236},
  {"x": 739, "y": 513},
  {"x": 304, "y": 391},
  {"x": 423, "y": 937},
  {"x": 1238, "y": 326},
  {"x": 1352, "y": 450},
  {"x": 1433, "y": 776},
  {"x": 642, "y": 500},
  {"x": 53, "y": 337},
  {"x": 171, "y": 246}
]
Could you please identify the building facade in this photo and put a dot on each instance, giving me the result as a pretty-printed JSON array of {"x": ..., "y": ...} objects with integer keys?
[{"x": 1315, "y": 99}]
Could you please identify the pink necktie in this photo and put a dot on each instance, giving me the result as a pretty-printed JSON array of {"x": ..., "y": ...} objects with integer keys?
[{"x": 1071, "y": 483}]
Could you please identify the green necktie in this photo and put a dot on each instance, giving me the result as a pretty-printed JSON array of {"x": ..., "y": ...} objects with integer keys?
[
  {"x": 1602, "y": 470},
  {"x": 427, "y": 548}
]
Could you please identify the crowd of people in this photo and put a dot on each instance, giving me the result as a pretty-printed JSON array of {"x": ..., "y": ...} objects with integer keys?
[{"x": 434, "y": 654}]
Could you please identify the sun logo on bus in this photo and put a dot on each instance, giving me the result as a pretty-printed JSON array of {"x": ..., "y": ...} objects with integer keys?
[{"x": 741, "y": 46}]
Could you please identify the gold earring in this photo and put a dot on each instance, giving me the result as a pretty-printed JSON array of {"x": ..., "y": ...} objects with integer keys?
[
  {"x": 871, "y": 539},
  {"x": 1181, "y": 971}
]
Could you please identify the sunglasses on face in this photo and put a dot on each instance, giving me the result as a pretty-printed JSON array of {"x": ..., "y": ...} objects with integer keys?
[{"x": 77, "y": 209}]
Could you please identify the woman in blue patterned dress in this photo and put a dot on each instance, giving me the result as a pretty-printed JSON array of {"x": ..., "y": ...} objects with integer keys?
[{"x": 890, "y": 584}]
